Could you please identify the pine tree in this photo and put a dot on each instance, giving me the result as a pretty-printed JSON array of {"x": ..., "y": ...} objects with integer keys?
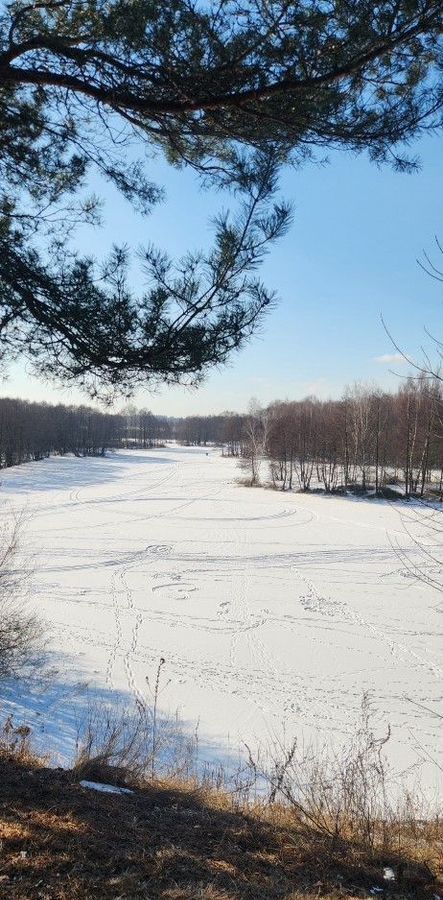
[{"x": 231, "y": 89}]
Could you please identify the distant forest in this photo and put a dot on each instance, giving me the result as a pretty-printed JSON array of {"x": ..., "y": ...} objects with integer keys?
[{"x": 365, "y": 441}]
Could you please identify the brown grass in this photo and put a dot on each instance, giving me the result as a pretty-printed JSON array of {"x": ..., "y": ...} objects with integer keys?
[{"x": 178, "y": 841}]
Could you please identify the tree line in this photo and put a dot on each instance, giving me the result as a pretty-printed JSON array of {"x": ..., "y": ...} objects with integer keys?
[
  {"x": 32, "y": 431},
  {"x": 368, "y": 440},
  {"x": 364, "y": 441}
]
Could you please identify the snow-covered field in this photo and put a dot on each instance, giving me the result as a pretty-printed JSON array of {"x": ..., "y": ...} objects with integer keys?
[{"x": 274, "y": 612}]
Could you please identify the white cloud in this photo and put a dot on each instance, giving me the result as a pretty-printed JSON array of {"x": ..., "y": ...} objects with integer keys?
[{"x": 390, "y": 358}]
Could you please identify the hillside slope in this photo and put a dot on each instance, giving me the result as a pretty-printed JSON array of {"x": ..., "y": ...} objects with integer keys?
[{"x": 61, "y": 841}]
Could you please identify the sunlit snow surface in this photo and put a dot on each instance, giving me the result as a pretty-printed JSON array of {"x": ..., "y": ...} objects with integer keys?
[
  {"x": 104, "y": 788},
  {"x": 274, "y": 612}
]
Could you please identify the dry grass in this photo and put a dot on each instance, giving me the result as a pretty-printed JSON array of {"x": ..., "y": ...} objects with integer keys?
[
  {"x": 136, "y": 742},
  {"x": 322, "y": 828},
  {"x": 176, "y": 841}
]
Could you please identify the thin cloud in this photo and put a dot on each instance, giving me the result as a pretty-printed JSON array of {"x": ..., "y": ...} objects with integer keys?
[{"x": 390, "y": 359}]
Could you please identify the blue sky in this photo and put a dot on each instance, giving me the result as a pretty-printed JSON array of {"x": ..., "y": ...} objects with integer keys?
[{"x": 349, "y": 257}]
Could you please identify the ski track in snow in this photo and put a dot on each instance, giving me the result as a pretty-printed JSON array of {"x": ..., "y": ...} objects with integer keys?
[{"x": 271, "y": 610}]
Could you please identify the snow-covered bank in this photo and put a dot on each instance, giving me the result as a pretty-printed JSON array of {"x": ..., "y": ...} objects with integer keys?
[{"x": 273, "y": 611}]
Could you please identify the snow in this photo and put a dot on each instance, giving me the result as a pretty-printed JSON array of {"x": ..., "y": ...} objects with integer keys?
[
  {"x": 105, "y": 788},
  {"x": 388, "y": 874},
  {"x": 274, "y": 612}
]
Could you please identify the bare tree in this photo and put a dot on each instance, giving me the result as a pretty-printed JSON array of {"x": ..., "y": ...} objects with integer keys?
[
  {"x": 253, "y": 444},
  {"x": 281, "y": 445},
  {"x": 21, "y": 632}
]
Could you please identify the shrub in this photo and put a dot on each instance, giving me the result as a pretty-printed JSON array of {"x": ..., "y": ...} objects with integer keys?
[{"x": 21, "y": 632}]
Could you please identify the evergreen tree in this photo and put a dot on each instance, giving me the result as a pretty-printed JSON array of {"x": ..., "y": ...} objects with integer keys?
[{"x": 233, "y": 89}]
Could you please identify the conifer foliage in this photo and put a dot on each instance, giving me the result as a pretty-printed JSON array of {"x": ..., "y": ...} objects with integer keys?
[{"x": 232, "y": 89}]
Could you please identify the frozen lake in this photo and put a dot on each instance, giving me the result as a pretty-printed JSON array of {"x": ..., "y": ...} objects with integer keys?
[{"x": 274, "y": 612}]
